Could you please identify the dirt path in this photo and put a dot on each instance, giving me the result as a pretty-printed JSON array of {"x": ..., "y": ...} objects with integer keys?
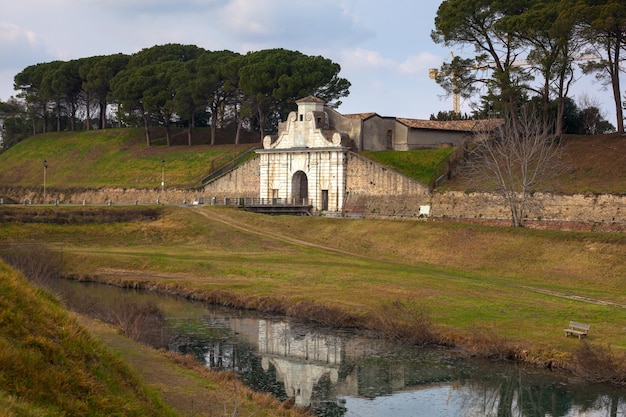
[{"x": 574, "y": 297}]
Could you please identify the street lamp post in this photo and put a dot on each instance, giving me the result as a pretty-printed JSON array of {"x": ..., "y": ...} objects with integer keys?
[
  {"x": 163, "y": 175},
  {"x": 45, "y": 169}
]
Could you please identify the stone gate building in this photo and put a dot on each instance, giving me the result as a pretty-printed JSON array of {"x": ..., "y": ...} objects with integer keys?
[{"x": 306, "y": 162}]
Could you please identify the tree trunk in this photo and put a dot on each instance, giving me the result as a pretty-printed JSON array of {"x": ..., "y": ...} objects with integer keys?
[
  {"x": 146, "y": 128},
  {"x": 238, "y": 132},
  {"x": 214, "y": 117},
  {"x": 213, "y": 130},
  {"x": 103, "y": 115},
  {"x": 73, "y": 117},
  {"x": 560, "y": 112},
  {"x": 262, "y": 123},
  {"x": 88, "y": 101},
  {"x": 619, "y": 112},
  {"x": 189, "y": 128},
  {"x": 58, "y": 116}
]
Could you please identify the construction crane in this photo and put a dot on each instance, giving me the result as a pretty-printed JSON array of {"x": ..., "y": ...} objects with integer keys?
[{"x": 456, "y": 98}]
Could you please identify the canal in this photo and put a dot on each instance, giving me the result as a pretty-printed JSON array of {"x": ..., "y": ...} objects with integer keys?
[{"x": 336, "y": 372}]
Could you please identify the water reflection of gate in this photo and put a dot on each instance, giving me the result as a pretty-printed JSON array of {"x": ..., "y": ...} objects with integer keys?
[
  {"x": 315, "y": 356},
  {"x": 302, "y": 359}
]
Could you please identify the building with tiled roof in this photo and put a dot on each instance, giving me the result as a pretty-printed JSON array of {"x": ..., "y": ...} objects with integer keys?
[{"x": 372, "y": 132}]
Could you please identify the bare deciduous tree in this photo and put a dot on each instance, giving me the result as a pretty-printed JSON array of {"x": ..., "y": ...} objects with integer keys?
[{"x": 514, "y": 160}]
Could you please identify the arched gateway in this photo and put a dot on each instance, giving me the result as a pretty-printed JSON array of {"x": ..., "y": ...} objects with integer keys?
[
  {"x": 306, "y": 160},
  {"x": 300, "y": 188}
]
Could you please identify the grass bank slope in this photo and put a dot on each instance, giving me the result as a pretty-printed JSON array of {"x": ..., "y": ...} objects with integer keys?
[
  {"x": 418, "y": 164},
  {"x": 50, "y": 366},
  {"x": 109, "y": 158},
  {"x": 594, "y": 165}
]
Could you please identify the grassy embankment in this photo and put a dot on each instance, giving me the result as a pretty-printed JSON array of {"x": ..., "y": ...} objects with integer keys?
[
  {"x": 49, "y": 365},
  {"x": 109, "y": 158},
  {"x": 594, "y": 165},
  {"x": 494, "y": 291}
]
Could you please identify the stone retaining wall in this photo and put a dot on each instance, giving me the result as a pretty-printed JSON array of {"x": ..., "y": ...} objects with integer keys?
[
  {"x": 578, "y": 207},
  {"x": 371, "y": 190},
  {"x": 244, "y": 181}
]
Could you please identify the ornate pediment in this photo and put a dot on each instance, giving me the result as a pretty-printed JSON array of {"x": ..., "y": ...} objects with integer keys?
[{"x": 306, "y": 128}]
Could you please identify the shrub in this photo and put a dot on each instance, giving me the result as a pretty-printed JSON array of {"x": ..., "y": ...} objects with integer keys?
[
  {"x": 599, "y": 364},
  {"x": 406, "y": 322},
  {"x": 38, "y": 262}
]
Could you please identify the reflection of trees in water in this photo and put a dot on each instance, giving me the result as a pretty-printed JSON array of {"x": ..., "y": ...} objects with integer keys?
[
  {"x": 614, "y": 403},
  {"x": 323, "y": 399},
  {"x": 488, "y": 389},
  {"x": 514, "y": 393}
]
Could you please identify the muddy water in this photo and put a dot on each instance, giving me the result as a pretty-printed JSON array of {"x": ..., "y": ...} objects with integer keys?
[{"x": 339, "y": 373}]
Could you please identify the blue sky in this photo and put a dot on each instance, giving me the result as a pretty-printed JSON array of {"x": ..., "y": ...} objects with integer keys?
[{"x": 383, "y": 47}]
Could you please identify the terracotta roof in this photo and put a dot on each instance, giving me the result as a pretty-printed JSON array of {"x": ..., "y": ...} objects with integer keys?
[
  {"x": 452, "y": 125},
  {"x": 362, "y": 116}
]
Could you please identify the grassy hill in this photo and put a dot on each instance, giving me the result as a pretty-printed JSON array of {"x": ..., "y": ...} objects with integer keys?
[
  {"x": 595, "y": 164},
  {"x": 110, "y": 158},
  {"x": 51, "y": 366},
  {"x": 420, "y": 164},
  {"x": 492, "y": 290}
]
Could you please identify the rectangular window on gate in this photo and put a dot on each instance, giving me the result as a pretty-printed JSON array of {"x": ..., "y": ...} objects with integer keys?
[{"x": 324, "y": 200}]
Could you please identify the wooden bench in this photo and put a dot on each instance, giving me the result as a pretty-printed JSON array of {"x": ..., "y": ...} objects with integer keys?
[{"x": 578, "y": 329}]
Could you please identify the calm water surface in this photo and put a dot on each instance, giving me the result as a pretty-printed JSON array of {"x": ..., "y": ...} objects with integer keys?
[{"x": 339, "y": 373}]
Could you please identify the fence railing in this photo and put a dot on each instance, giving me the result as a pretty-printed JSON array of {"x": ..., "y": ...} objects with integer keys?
[
  {"x": 248, "y": 201},
  {"x": 225, "y": 169}
]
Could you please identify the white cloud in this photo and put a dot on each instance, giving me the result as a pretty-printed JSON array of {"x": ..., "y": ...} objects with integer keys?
[
  {"x": 19, "y": 47},
  {"x": 367, "y": 60},
  {"x": 361, "y": 59},
  {"x": 132, "y": 8},
  {"x": 418, "y": 64},
  {"x": 296, "y": 24}
]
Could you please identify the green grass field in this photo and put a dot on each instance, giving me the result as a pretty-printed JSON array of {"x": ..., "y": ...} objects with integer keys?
[
  {"x": 485, "y": 289},
  {"x": 120, "y": 158}
]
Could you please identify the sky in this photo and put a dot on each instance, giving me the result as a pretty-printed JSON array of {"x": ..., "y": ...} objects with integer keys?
[{"x": 384, "y": 48}]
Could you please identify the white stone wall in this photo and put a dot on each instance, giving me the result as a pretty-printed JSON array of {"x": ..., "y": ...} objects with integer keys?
[
  {"x": 307, "y": 160},
  {"x": 373, "y": 189},
  {"x": 324, "y": 170}
]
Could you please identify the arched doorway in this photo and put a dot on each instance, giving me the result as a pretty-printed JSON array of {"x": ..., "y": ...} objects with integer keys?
[{"x": 300, "y": 187}]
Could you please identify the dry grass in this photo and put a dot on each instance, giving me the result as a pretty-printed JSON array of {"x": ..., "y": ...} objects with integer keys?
[
  {"x": 188, "y": 386},
  {"x": 51, "y": 366},
  {"x": 595, "y": 164},
  {"x": 598, "y": 363}
]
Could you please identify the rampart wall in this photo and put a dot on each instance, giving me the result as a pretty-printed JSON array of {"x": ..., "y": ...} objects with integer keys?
[{"x": 371, "y": 190}]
